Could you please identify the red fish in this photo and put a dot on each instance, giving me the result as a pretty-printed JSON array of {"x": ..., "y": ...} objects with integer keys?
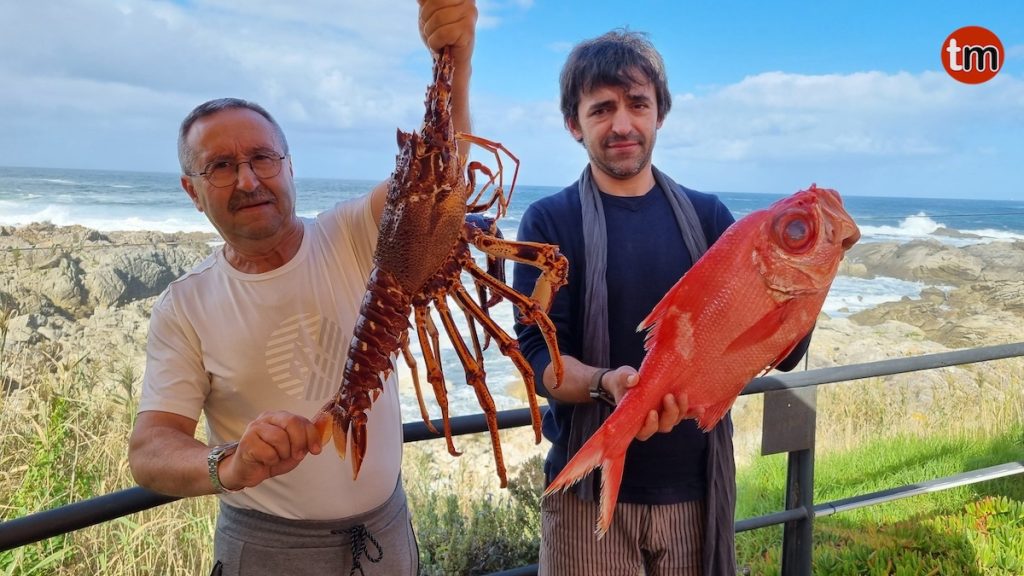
[{"x": 739, "y": 311}]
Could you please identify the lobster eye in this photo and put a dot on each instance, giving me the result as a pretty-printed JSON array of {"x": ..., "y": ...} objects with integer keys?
[{"x": 795, "y": 230}]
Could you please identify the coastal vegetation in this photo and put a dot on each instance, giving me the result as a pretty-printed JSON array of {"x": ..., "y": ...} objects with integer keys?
[
  {"x": 64, "y": 440},
  {"x": 72, "y": 327}
]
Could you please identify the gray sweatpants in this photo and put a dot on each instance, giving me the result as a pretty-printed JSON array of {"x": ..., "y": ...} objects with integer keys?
[{"x": 381, "y": 541}]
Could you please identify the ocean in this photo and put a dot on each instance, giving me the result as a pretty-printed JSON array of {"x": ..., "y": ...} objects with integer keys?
[{"x": 112, "y": 200}]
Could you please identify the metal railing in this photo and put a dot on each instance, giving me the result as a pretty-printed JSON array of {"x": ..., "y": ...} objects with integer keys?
[{"x": 797, "y": 518}]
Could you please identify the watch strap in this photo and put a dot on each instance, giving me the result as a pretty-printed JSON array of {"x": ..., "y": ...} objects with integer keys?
[
  {"x": 218, "y": 453},
  {"x": 597, "y": 391}
]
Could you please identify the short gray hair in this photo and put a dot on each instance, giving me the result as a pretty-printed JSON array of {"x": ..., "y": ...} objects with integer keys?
[{"x": 187, "y": 156}]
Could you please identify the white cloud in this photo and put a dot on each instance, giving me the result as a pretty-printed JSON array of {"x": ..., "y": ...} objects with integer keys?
[
  {"x": 337, "y": 66},
  {"x": 104, "y": 85},
  {"x": 774, "y": 131}
]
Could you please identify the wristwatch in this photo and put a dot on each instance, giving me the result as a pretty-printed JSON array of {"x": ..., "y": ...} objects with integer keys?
[
  {"x": 218, "y": 453},
  {"x": 599, "y": 392}
]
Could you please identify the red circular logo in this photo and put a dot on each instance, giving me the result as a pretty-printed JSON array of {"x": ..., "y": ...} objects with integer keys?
[{"x": 972, "y": 54}]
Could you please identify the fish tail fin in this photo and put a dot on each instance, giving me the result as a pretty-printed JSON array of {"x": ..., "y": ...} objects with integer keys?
[
  {"x": 598, "y": 452},
  {"x": 590, "y": 456},
  {"x": 611, "y": 479}
]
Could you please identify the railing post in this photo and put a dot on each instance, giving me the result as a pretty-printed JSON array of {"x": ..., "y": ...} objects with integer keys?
[
  {"x": 798, "y": 535},
  {"x": 790, "y": 425}
]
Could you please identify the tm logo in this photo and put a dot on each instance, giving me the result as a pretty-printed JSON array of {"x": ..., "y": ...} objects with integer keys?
[{"x": 972, "y": 54}]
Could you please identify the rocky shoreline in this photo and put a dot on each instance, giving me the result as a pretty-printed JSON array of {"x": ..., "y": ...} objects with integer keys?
[
  {"x": 81, "y": 295},
  {"x": 76, "y": 294}
]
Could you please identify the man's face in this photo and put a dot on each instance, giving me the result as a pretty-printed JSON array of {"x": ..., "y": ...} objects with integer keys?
[
  {"x": 252, "y": 208},
  {"x": 618, "y": 127}
]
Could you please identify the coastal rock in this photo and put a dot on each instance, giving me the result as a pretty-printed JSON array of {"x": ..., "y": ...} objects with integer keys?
[
  {"x": 932, "y": 262},
  {"x": 973, "y": 296},
  {"x": 921, "y": 260},
  {"x": 78, "y": 269},
  {"x": 69, "y": 293},
  {"x": 971, "y": 315}
]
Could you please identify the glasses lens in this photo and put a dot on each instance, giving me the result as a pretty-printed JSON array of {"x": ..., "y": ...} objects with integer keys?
[
  {"x": 265, "y": 166},
  {"x": 222, "y": 173}
]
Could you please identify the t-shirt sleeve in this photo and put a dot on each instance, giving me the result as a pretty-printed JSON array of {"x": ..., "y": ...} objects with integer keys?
[
  {"x": 175, "y": 379},
  {"x": 352, "y": 222}
]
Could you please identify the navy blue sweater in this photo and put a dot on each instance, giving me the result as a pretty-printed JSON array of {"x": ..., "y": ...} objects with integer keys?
[{"x": 646, "y": 257}]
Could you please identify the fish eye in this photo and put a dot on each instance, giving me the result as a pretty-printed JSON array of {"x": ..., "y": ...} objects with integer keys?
[{"x": 795, "y": 230}]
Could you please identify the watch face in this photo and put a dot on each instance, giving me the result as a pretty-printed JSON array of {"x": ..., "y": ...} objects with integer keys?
[{"x": 221, "y": 452}]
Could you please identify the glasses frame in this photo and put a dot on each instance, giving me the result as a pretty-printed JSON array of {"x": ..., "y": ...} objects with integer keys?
[{"x": 207, "y": 172}]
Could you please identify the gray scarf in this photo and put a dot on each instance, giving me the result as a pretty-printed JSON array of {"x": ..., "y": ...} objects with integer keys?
[{"x": 719, "y": 536}]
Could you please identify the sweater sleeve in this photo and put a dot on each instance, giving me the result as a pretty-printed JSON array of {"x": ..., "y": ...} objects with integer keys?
[{"x": 536, "y": 226}]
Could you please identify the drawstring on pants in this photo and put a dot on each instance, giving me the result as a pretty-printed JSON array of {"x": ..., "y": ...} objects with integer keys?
[{"x": 359, "y": 535}]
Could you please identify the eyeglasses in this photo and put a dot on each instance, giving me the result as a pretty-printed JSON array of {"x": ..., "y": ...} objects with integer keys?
[{"x": 224, "y": 173}]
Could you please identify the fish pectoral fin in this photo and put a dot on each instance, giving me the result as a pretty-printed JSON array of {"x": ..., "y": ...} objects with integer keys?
[
  {"x": 711, "y": 415},
  {"x": 762, "y": 329},
  {"x": 785, "y": 354}
]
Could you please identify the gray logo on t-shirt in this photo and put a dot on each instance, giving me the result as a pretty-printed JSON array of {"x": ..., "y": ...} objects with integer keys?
[{"x": 305, "y": 356}]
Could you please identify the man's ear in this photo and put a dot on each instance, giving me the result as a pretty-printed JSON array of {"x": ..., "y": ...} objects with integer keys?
[
  {"x": 573, "y": 127},
  {"x": 190, "y": 189}
]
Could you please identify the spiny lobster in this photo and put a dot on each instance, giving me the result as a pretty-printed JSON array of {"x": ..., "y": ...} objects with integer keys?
[{"x": 430, "y": 221}]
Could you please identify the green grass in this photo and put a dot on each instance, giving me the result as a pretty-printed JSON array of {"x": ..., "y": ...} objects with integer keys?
[{"x": 975, "y": 529}]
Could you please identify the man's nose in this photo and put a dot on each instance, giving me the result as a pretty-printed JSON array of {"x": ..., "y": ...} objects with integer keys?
[
  {"x": 621, "y": 122},
  {"x": 247, "y": 179}
]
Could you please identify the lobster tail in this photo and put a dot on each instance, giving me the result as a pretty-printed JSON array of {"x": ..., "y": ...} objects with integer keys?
[
  {"x": 383, "y": 319},
  {"x": 437, "y": 120}
]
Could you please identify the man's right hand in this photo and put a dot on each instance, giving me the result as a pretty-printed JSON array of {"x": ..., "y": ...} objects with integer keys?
[
  {"x": 449, "y": 23},
  {"x": 272, "y": 444}
]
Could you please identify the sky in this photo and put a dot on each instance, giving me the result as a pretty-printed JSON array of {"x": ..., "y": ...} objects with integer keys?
[{"x": 767, "y": 96}]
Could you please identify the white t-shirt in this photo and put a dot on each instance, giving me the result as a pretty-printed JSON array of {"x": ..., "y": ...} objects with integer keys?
[{"x": 234, "y": 345}]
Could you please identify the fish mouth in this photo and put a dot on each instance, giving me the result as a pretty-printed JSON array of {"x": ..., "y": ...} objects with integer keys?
[{"x": 842, "y": 229}]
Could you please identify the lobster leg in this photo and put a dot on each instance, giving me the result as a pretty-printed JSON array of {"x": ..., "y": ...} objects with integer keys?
[
  {"x": 471, "y": 327},
  {"x": 410, "y": 361},
  {"x": 430, "y": 345},
  {"x": 534, "y": 308},
  {"x": 509, "y": 347},
  {"x": 498, "y": 195},
  {"x": 475, "y": 378},
  {"x": 495, "y": 266}
]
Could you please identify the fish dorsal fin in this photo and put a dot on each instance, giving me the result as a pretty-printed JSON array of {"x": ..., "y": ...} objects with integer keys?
[
  {"x": 669, "y": 323},
  {"x": 762, "y": 330},
  {"x": 669, "y": 305},
  {"x": 657, "y": 313}
]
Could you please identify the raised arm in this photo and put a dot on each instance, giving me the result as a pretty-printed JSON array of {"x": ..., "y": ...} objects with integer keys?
[{"x": 445, "y": 23}]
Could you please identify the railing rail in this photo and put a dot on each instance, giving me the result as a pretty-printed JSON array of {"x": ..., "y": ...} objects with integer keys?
[{"x": 46, "y": 524}]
